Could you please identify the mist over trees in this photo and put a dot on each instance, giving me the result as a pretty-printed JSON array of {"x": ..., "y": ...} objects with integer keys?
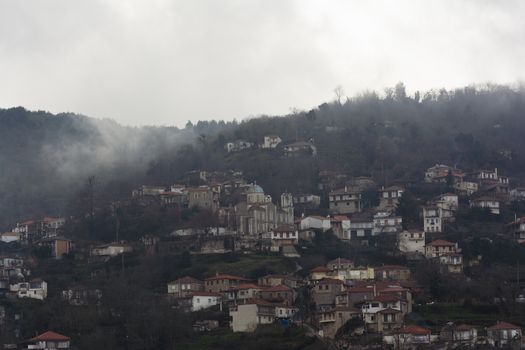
[{"x": 46, "y": 160}]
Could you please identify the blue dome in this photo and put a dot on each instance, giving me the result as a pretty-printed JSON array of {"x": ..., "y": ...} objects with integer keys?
[{"x": 255, "y": 189}]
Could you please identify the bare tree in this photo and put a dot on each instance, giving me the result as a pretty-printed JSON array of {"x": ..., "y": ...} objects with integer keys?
[{"x": 339, "y": 94}]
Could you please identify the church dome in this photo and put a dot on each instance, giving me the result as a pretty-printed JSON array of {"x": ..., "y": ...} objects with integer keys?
[{"x": 255, "y": 189}]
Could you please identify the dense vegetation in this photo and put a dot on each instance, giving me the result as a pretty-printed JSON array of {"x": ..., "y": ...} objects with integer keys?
[{"x": 46, "y": 160}]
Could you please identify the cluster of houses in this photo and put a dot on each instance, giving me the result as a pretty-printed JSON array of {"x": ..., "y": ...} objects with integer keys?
[
  {"x": 250, "y": 219},
  {"x": 273, "y": 142},
  {"x": 16, "y": 280},
  {"x": 271, "y": 298},
  {"x": 377, "y": 297}
]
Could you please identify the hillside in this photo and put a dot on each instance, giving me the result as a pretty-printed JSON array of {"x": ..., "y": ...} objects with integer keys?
[{"x": 46, "y": 160}]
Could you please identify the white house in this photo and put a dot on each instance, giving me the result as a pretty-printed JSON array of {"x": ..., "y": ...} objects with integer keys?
[
  {"x": 34, "y": 289},
  {"x": 411, "y": 242},
  {"x": 386, "y": 223},
  {"x": 504, "y": 335},
  {"x": 203, "y": 300},
  {"x": 432, "y": 219},
  {"x": 111, "y": 249},
  {"x": 340, "y": 225},
  {"x": 491, "y": 203},
  {"x": 8, "y": 237},
  {"x": 238, "y": 145},
  {"x": 517, "y": 194},
  {"x": 247, "y": 316},
  {"x": 271, "y": 141},
  {"x": 314, "y": 222}
]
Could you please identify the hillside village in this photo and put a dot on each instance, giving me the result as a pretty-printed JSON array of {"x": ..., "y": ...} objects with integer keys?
[{"x": 353, "y": 264}]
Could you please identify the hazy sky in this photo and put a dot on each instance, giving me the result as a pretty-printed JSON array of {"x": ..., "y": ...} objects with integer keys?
[{"x": 165, "y": 62}]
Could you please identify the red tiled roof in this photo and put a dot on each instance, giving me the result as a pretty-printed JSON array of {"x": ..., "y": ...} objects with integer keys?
[
  {"x": 278, "y": 288},
  {"x": 502, "y": 325},
  {"x": 441, "y": 242},
  {"x": 340, "y": 261},
  {"x": 49, "y": 336},
  {"x": 386, "y": 298},
  {"x": 416, "y": 330},
  {"x": 225, "y": 277},
  {"x": 187, "y": 279},
  {"x": 246, "y": 286},
  {"x": 464, "y": 327}
]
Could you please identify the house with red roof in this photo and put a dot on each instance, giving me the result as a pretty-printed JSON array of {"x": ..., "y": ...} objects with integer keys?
[
  {"x": 48, "y": 340},
  {"x": 340, "y": 264},
  {"x": 504, "y": 335},
  {"x": 222, "y": 282},
  {"x": 184, "y": 286},
  {"x": 279, "y": 294},
  {"x": 319, "y": 272},
  {"x": 244, "y": 291},
  {"x": 458, "y": 335},
  {"x": 439, "y": 247}
]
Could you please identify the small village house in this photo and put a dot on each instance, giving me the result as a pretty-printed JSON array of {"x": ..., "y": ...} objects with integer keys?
[
  {"x": 222, "y": 282},
  {"x": 458, "y": 335},
  {"x": 271, "y": 142},
  {"x": 48, "y": 340},
  {"x": 504, "y": 335},
  {"x": 184, "y": 286},
  {"x": 389, "y": 197},
  {"x": 411, "y": 242},
  {"x": 246, "y": 316},
  {"x": 491, "y": 203},
  {"x": 346, "y": 200},
  {"x": 58, "y": 245}
]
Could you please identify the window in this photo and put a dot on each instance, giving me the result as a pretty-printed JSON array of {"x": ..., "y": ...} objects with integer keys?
[{"x": 198, "y": 300}]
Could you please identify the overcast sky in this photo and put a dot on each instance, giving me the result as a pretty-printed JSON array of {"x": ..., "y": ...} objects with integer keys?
[{"x": 164, "y": 62}]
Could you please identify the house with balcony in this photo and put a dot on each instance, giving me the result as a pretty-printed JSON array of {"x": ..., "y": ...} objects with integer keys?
[
  {"x": 346, "y": 200},
  {"x": 184, "y": 286}
]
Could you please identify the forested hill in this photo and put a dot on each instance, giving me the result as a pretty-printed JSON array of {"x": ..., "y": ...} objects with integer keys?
[{"x": 45, "y": 159}]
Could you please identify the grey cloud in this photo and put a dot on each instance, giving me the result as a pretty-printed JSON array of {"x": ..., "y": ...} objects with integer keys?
[{"x": 164, "y": 62}]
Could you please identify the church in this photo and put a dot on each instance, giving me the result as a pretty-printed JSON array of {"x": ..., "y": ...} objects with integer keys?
[{"x": 258, "y": 214}]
